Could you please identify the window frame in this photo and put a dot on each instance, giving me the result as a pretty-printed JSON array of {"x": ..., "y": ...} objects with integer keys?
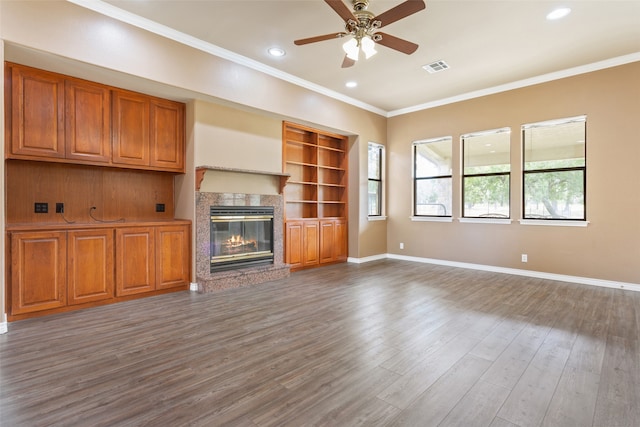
[
  {"x": 416, "y": 179},
  {"x": 379, "y": 180},
  {"x": 489, "y": 174},
  {"x": 583, "y": 169}
]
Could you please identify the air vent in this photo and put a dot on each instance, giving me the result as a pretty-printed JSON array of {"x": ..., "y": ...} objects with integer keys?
[{"x": 435, "y": 67}]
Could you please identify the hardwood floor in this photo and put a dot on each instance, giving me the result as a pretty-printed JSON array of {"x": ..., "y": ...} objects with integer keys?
[{"x": 387, "y": 343}]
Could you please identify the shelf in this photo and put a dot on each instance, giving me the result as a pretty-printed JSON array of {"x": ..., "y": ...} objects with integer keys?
[
  {"x": 312, "y": 165},
  {"x": 302, "y": 183},
  {"x": 308, "y": 144},
  {"x": 333, "y": 168},
  {"x": 317, "y": 163},
  {"x": 339, "y": 150},
  {"x": 201, "y": 170}
]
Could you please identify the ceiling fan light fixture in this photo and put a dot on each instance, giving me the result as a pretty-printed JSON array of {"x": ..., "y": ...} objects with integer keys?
[
  {"x": 368, "y": 47},
  {"x": 352, "y": 49}
]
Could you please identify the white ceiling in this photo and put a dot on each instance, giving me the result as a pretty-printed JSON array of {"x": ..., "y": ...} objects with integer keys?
[{"x": 489, "y": 45}]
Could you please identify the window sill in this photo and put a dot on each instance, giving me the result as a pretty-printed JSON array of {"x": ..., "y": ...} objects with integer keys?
[
  {"x": 555, "y": 223},
  {"x": 485, "y": 220},
  {"x": 377, "y": 218},
  {"x": 432, "y": 218}
]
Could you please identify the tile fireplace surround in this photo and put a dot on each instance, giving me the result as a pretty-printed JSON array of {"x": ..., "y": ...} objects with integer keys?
[{"x": 210, "y": 282}]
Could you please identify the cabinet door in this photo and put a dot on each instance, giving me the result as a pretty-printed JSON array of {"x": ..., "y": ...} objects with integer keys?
[
  {"x": 167, "y": 135},
  {"x": 327, "y": 241},
  {"x": 90, "y": 265},
  {"x": 87, "y": 121},
  {"x": 310, "y": 243},
  {"x": 38, "y": 271},
  {"x": 172, "y": 256},
  {"x": 37, "y": 113},
  {"x": 130, "y": 128},
  {"x": 293, "y": 244},
  {"x": 341, "y": 239},
  {"x": 135, "y": 260}
]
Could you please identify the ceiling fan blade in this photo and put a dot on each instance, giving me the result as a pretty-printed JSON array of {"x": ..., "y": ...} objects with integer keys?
[
  {"x": 318, "y": 38},
  {"x": 348, "y": 62},
  {"x": 402, "y": 10},
  {"x": 341, "y": 9},
  {"x": 396, "y": 43}
]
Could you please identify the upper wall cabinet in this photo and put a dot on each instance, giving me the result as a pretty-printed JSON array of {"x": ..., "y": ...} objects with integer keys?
[
  {"x": 36, "y": 113},
  {"x": 147, "y": 131},
  {"x": 87, "y": 121},
  {"x": 63, "y": 119},
  {"x": 130, "y": 128}
]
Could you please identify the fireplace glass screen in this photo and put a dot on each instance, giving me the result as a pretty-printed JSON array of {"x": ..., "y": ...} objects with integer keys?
[{"x": 241, "y": 236}]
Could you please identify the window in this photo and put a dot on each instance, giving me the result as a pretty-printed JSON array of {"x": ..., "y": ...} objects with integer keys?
[
  {"x": 376, "y": 156},
  {"x": 554, "y": 169},
  {"x": 432, "y": 177},
  {"x": 486, "y": 164}
]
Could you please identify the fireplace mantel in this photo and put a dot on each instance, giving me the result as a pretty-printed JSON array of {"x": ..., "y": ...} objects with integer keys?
[{"x": 201, "y": 170}]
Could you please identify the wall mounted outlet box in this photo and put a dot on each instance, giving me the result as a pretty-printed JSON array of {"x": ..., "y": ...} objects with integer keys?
[
  {"x": 159, "y": 207},
  {"x": 41, "y": 207},
  {"x": 59, "y": 207}
]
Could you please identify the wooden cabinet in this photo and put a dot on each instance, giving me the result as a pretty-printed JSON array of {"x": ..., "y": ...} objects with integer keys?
[
  {"x": 147, "y": 131},
  {"x": 304, "y": 244},
  {"x": 60, "y": 270},
  {"x": 152, "y": 258},
  {"x": 167, "y": 129},
  {"x": 87, "y": 122},
  {"x": 315, "y": 196},
  {"x": 89, "y": 265},
  {"x": 64, "y": 119},
  {"x": 130, "y": 131},
  {"x": 37, "y": 113},
  {"x": 38, "y": 271},
  {"x": 172, "y": 256},
  {"x": 294, "y": 244},
  {"x": 135, "y": 260},
  {"x": 109, "y": 157}
]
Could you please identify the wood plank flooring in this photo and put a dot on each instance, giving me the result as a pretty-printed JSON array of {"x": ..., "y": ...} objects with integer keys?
[{"x": 386, "y": 343}]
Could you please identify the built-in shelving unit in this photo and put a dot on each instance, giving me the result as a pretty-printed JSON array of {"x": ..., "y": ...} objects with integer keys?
[{"x": 315, "y": 196}]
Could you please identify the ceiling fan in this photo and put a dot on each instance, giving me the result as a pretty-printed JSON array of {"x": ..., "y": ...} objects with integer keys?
[{"x": 363, "y": 26}]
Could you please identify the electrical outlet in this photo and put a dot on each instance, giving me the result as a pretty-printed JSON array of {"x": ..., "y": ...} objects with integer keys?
[
  {"x": 59, "y": 207},
  {"x": 159, "y": 207},
  {"x": 524, "y": 258},
  {"x": 401, "y": 245},
  {"x": 41, "y": 207}
]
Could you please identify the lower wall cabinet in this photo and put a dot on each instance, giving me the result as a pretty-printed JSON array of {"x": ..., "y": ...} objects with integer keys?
[
  {"x": 89, "y": 265},
  {"x": 135, "y": 268},
  {"x": 58, "y": 270},
  {"x": 38, "y": 271},
  {"x": 310, "y": 242}
]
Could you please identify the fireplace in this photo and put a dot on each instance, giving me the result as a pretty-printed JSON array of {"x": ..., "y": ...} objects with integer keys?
[{"x": 241, "y": 236}]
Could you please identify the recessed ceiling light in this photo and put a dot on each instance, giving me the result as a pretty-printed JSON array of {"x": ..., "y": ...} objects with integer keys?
[
  {"x": 276, "y": 51},
  {"x": 351, "y": 84},
  {"x": 558, "y": 13}
]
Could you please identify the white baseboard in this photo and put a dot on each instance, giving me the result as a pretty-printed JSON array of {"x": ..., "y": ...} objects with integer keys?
[
  {"x": 3, "y": 328},
  {"x": 516, "y": 271},
  {"x": 367, "y": 259}
]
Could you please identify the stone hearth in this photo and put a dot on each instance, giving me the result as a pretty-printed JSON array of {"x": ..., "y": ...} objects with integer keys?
[{"x": 209, "y": 282}]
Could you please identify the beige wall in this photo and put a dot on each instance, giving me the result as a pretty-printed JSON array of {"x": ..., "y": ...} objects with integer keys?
[
  {"x": 66, "y": 38},
  {"x": 608, "y": 248}
]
